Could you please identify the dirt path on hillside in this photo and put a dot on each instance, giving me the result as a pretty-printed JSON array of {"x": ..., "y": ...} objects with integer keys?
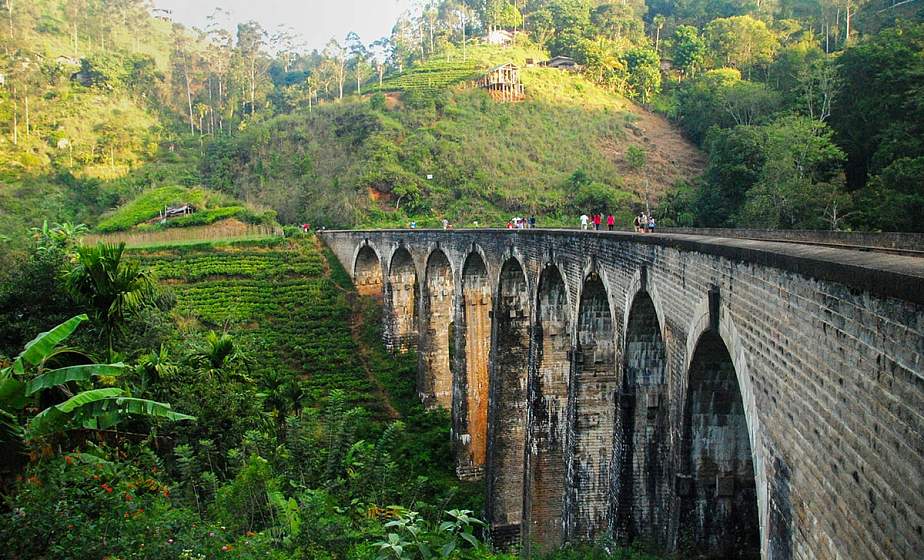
[
  {"x": 355, "y": 325},
  {"x": 671, "y": 157},
  {"x": 356, "y": 318}
]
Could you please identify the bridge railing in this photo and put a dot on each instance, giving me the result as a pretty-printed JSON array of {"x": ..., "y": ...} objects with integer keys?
[{"x": 911, "y": 244}]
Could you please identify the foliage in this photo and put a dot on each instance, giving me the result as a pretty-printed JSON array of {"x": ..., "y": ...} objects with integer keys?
[
  {"x": 644, "y": 72},
  {"x": 688, "y": 49},
  {"x": 742, "y": 42},
  {"x": 107, "y": 286},
  {"x": 799, "y": 178},
  {"x": 32, "y": 297},
  {"x": 87, "y": 506},
  {"x": 410, "y": 537},
  {"x": 30, "y": 375}
]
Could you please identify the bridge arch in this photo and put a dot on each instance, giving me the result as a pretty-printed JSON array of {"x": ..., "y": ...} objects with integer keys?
[
  {"x": 642, "y": 444},
  {"x": 436, "y": 331},
  {"x": 402, "y": 293},
  {"x": 477, "y": 304},
  {"x": 548, "y": 409},
  {"x": 593, "y": 388},
  {"x": 722, "y": 484},
  {"x": 507, "y": 412},
  {"x": 367, "y": 272}
]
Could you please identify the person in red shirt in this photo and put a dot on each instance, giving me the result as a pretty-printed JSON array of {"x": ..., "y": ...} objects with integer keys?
[
  {"x": 610, "y": 222},
  {"x": 597, "y": 220}
]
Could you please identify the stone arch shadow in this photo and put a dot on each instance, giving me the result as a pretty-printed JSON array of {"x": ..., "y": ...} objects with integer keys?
[
  {"x": 402, "y": 291},
  {"x": 642, "y": 441},
  {"x": 701, "y": 325},
  {"x": 368, "y": 271},
  {"x": 592, "y": 406},
  {"x": 436, "y": 329}
]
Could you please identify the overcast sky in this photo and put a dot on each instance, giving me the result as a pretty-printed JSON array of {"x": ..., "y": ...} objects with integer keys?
[{"x": 315, "y": 20}]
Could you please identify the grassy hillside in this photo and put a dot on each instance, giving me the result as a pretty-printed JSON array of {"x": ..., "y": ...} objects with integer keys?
[
  {"x": 142, "y": 212},
  {"x": 86, "y": 116},
  {"x": 367, "y": 161}
]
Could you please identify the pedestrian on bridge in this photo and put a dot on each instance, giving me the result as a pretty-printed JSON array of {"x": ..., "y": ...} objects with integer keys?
[
  {"x": 584, "y": 220},
  {"x": 610, "y": 222}
]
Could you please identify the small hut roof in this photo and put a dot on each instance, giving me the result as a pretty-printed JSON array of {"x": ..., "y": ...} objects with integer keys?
[{"x": 499, "y": 66}]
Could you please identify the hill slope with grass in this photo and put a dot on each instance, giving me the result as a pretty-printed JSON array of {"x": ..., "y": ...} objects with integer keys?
[
  {"x": 431, "y": 145},
  {"x": 87, "y": 111}
]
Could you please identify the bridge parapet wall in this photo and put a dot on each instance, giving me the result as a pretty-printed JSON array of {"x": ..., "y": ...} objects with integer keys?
[
  {"x": 889, "y": 240},
  {"x": 827, "y": 347}
]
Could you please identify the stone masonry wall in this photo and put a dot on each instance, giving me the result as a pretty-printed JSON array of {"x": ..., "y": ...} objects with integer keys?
[
  {"x": 436, "y": 316},
  {"x": 476, "y": 317},
  {"x": 548, "y": 408},
  {"x": 824, "y": 352}
]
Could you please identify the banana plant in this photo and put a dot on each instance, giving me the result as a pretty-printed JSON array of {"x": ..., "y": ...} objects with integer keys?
[{"x": 23, "y": 382}]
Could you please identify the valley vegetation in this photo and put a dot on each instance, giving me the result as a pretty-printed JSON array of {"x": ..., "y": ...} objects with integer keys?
[{"x": 770, "y": 105}]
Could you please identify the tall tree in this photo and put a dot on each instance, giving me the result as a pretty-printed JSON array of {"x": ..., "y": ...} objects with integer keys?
[
  {"x": 688, "y": 50},
  {"x": 741, "y": 42},
  {"x": 337, "y": 55},
  {"x": 251, "y": 38}
]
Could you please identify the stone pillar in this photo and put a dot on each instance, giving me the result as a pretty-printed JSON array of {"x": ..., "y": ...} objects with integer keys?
[
  {"x": 476, "y": 333},
  {"x": 548, "y": 423},
  {"x": 510, "y": 362}
]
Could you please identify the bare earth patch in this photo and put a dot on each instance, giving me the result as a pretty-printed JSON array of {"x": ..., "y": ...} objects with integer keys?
[{"x": 671, "y": 157}]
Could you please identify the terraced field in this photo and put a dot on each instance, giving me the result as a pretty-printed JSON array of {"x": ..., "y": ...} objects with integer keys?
[
  {"x": 280, "y": 301},
  {"x": 431, "y": 77}
]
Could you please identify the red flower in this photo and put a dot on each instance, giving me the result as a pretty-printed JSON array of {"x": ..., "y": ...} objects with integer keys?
[
  {"x": 106, "y": 487},
  {"x": 68, "y": 460}
]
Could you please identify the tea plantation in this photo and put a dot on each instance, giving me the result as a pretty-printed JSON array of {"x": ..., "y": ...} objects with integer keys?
[{"x": 278, "y": 299}]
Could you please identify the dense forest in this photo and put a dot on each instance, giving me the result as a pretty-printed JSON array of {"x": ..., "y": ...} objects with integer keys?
[{"x": 197, "y": 397}]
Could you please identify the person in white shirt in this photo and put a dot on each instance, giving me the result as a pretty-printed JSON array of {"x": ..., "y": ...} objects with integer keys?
[{"x": 584, "y": 220}]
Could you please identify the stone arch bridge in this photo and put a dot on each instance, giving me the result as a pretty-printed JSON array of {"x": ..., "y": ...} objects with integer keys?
[{"x": 731, "y": 397}]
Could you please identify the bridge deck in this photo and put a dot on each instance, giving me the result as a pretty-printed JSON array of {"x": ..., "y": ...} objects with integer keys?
[{"x": 883, "y": 274}]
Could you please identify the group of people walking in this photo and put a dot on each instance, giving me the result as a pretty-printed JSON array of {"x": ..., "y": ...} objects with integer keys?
[
  {"x": 644, "y": 223},
  {"x": 522, "y": 223},
  {"x": 597, "y": 220}
]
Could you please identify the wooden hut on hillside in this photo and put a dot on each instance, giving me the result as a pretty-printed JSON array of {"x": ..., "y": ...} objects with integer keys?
[
  {"x": 561, "y": 63},
  {"x": 503, "y": 83}
]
